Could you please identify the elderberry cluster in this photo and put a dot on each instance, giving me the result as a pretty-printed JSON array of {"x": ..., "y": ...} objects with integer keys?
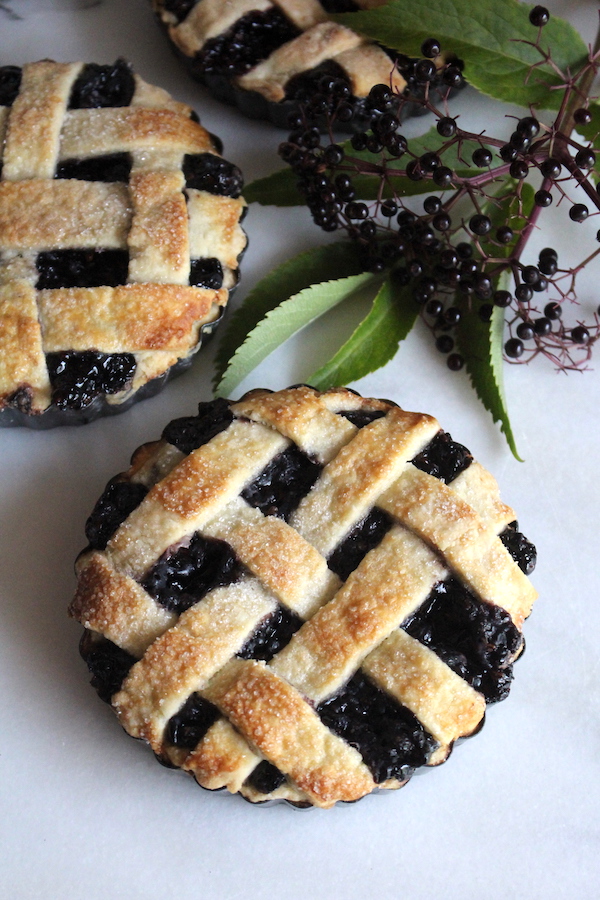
[{"x": 454, "y": 264}]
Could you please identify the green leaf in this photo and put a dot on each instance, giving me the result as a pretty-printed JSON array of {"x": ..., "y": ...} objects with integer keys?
[
  {"x": 310, "y": 267},
  {"x": 481, "y": 343},
  {"x": 285, "y": 320},
  {"x": 488, "y": 35},
  {"x": 375, "y": 341},
  {"x": 279, "y": 189}
]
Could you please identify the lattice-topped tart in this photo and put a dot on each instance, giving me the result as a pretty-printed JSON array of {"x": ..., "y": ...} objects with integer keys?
[
  {"x": 302, "y": 595},
  {"x": 119, "y": 239},
  {"x": 270, "y": 56}
]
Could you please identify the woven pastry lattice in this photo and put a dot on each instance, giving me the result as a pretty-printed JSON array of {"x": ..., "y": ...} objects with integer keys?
[
  {"x": 270, "y": 58},
  {"x": 119, "y": 232},
  {"x": 302, "y": 595}
]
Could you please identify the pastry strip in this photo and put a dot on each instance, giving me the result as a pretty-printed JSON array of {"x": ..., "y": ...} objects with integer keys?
[
  {"x": 186, "y": 657},
  {"x": 351, "y": 484},
  {"x": 274, "y": 717},
  {"x": 328, "y": 649},
  {"x": 192, "y": 494},
  {"x": 470, "y": 547},
  {"x": 445, "y": 704},
  {"x": 35, "y": 119}
]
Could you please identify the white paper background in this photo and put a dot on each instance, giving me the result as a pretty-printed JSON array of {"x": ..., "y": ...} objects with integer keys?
[{"x": 87, "y": 812}]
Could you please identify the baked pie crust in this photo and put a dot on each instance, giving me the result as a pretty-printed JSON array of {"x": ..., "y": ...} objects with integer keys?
[
  {"x": 302, "y": 595},
  {"x": 119, "y": 239},
  {"x": 252, "y": 52}
]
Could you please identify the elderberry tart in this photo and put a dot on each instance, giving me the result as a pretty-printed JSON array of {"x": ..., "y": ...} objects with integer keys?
[
  {"x": 270, "y": 57},
  {"x": 302, "y": 596},
  {"x": 120, "y": 239}
]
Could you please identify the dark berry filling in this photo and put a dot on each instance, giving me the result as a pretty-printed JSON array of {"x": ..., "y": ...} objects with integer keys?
[
  {"x": 443, "y": 458},
  {"x": 118, "y": 500},
  {"x": 81, "y": 268},
  {"x": 362, "y": 417},
  {"x": 103, "y": 86},
  {"x": 283, "y": 483},
  {"x": 476, "y": 639},
  {"x": 250, "y": 40},
  {"x": 187, "y": 727},
  {"x": 179, "y": 8},
  {"x": 303, "y": 87},
  {"x": 339, "y": 6},
  {"x": 390, "y": 739},
  {"x": 272, "y": 635},
  {"x": 182, "y": 577},
  {"x": 265, "y": 778},
  {"x": 190, "y": 432},
  {"x": 109, "y": 168},
  {"x": 208, "y": 172},
  {"x": 522, "y": 551},
  {"x": 10, "y": 82},
  {"x": 365, "y": 536},
  {"x": 78, "y": 378},
  {"x": 108, "y": 664},
  {"x": 206, "y": 273}
]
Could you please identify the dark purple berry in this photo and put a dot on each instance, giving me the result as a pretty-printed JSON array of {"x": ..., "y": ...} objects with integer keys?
[
  {"x": 508, "y": 153},
  {"x": 434, "y": 308},
  {"x": 525, "y": 331},
  {"x": 542, "y": 325},
  {"x": 486, "y": 311},
  {"x": 523, "y": 293},
  {"x": 504, "y": 234},
  {"x": 380, "y": 97},
  {"x": 355, "y": 210},
  {"x": 502, "y": 299},
  {"x": 413, "y": 170},
  {"x": 582, "y": 116},
  {"x": 442, "y": 222},
  {"x": 443, "y": 177},
  {"x": 446, "y": 127},
  {"x": 480, "y": 224},
  {"x": 452, "y": 76},
  {"x": 359, "y": 141},
  {"x": 551, "y": 168},
  {"x": 333, "y": 155},
  {"x": 580, "y": 335},
  {"x": 519, "y": 169},
  {"x": 389, "y": 208},
  {"x": 455, "y": 362},
  {"x": 530, "y": 274},
  {"x": 528, "y": 126},
  {"x": 514, "y": 348},
  {"x": 374, "y": 144},
  {"x": 429, "y": 162},
  {"x": 539, "y": 16},
  {"x": 432, "y": 205},
  {"x": 444, "y": 343},
  {"x": 585, "y": 158},
  {"x": 452, "y": 316},
  {"x": 579, "y": 212},
  {"x": 553, "y": 310},
  {"x": 425, "y": 71},
  {"x": 482, "y": 157},
  {"x": 464, "y": 250},
  {"x": 431, "y": 48},
  {"x": 543, "y": 199}
]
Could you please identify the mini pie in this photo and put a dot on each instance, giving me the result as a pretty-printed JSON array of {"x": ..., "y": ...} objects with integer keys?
[
  {"x": 302, "y": 595},
  {"x": 119, "y": 239},
  {"x": 266, "y": 56}
]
